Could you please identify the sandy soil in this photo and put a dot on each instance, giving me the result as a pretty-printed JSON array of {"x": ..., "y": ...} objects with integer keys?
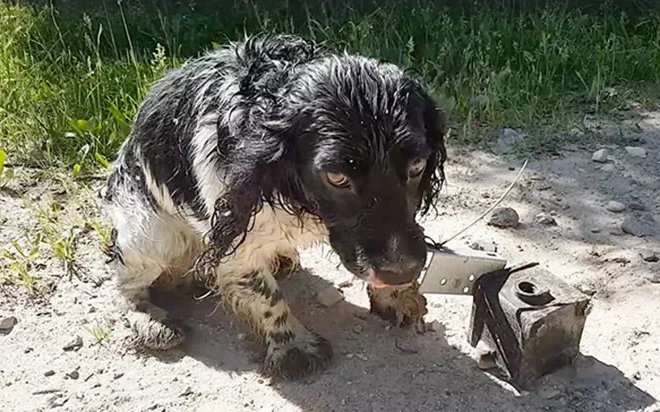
[{"x": 217, "y": 369}]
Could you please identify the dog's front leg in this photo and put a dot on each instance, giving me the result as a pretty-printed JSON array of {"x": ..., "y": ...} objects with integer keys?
[{"x": 292, "y": 350}]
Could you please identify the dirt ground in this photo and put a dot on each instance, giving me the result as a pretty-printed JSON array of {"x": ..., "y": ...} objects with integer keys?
[{"x": 376, "y": 368}]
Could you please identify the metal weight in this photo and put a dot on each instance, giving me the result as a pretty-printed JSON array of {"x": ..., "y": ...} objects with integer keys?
[{"x": 530, "y": 318}]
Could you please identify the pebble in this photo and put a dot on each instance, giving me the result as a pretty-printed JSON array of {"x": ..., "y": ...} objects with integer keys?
[
  {"x": 117, "y": 376},
  {"x": 549, "y": 393},
  {"x": 187, "y": 392},
  {"x": 635, "y": 227},
  {"x": 28, "y": 350},
  {"x": 504, "y": 217},
  {"x": 586, "y": 288},
  {"x": 361, "y": 357},
  {"x": 607, "y": 167},
  {"x": 7, "y": 324},
  {"x": 241, "y": 337},
  {"x": 49, "y": 373},
  {"x": 434, "y": 326},
  {"x": 636, "y": 151},
  {"x": 649, "y": 255},
  {"x": 357, "y": 329},
  {"x": 57, "y": 400},
  {"x": 486, "y": 362},
  {"x": 73, "y": 345},
  {"x": 615, "y": 207},
  {"x": 484, "y": 245},
  {"x": 329, "y": 296},
  {"x": 545, "y": 219},
  {"x": 73, "y": 375},
  {"x": 637, "y": 376},
  {"x": 595, "y": 230},
  {"x": 636, "y": 206},
  {"x": 600, "y": 156}
]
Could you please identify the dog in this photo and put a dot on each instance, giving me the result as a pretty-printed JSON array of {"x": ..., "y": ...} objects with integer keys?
[{"x": 248, "y": 153}]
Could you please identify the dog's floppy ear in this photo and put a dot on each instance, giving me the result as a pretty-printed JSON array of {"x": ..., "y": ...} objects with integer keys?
[{"x": 435, "y": 125}]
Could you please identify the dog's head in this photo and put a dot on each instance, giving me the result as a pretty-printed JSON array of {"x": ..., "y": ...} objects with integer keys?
[{"x": 369, "y": 152}]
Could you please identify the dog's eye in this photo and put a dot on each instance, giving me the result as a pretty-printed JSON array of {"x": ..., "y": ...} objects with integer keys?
[
  {"x": 416, "y": 167},
  {"x": 337, "y": 179}
]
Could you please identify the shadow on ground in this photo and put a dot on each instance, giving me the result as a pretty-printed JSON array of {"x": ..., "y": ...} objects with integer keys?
[{"x": 376, "y": 369}]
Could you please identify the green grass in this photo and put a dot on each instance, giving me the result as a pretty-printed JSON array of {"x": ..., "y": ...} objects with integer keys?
[{"x": 71, "y": 78}]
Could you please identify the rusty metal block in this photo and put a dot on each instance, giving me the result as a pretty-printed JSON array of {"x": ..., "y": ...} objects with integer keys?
[{"x": 530, "y": 318}]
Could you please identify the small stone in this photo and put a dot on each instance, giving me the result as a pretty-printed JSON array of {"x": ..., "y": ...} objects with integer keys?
[
  {"x": 73, "y": 345},
  {"x": 595, "y": 230},
  {"x": 504, "y": 217},
  {"x": 484, "y": 245},
  {"x": 28, "y": 350},
  {"x": 361, "y": 357},
  {"x": 73, "y": 375},
  {"x": 49, "y": 373},
  {"x": 187, "y": 392},
  {"x": 329, "y": 297},
  {"x": 241, "y": 337},
  {"x": 636, "y": 206},
  {"x": 7, "y": 324},
  {"x": 649, "y": 255},
  {"x": 637, "y": 376},
  {"x": 434, "y": 326},
  {"x": 600, "y": 156},
  {"x": 549, "y": 393},
  {"x": 635, "y": 227},
  {"x": 609, "y": 167},
  {"x": 357, "y": 329},
  {"x": 545, "y": 219},
  {"x": 486, "y": 362},
  {"x": 117, "y": 375},
  {"x": 92, "y": 309},
  {"x": 635, "y": 151},
  {"x": 615, "y": 207},
  {"x": 586, "y": 288},
  {"x": 57, "y": 400}
]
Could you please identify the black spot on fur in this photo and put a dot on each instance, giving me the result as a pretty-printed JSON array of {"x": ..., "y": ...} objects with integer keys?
[
  {"x": 276, "y": 298},
  {"x": 281, "y": 320},
  {"x": 281, "y": 337}
]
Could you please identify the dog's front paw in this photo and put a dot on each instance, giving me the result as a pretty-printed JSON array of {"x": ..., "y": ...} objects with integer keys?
[
  {"x": 153, "y": 328},
  {"x": 400, "y": 305},
  {"x": 157, "y": 334},
  {"x": 293, "y": 357}
]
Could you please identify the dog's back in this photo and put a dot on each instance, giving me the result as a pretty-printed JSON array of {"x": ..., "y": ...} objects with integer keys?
[{"x": 230, "y": 82}]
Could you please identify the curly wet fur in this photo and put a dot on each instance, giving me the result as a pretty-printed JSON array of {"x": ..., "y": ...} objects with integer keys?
[{"x": 224, "y": 178}]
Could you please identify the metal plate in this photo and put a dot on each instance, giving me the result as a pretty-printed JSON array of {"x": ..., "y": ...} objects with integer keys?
[{"x": 454, "y": 271}]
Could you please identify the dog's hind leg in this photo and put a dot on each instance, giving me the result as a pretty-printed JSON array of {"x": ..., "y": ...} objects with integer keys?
[{"x": 147, "y": 243}]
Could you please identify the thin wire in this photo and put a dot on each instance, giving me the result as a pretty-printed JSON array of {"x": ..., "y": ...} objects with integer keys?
[{"x": 505, "y": 194}]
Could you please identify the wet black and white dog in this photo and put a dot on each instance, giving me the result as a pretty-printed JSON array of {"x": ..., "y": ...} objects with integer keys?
[{"x": 242, "y": 156}]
